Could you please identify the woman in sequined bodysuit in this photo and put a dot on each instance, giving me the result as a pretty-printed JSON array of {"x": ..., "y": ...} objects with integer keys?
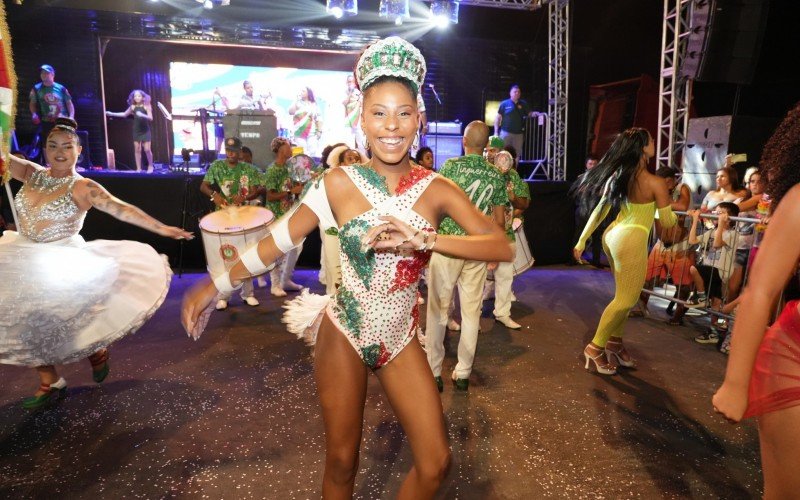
[
  {"x": 67, "y": 299},
  {"x": 386, "y": 212}
]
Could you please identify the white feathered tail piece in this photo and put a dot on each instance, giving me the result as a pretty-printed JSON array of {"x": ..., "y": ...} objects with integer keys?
[{"x": 304, "y": 314}]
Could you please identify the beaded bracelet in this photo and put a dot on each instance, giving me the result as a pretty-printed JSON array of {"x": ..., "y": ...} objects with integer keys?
[
  {"x": 433, "y": 242},
  {"x": 424, "y": 244},
  {"x": 396, "y": 247}
]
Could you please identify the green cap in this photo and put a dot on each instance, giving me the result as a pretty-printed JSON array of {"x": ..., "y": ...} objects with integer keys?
[{"x": 496, "y": 142}]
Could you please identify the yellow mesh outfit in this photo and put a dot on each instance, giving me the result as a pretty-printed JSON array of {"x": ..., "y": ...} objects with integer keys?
[{"x": 625, "y": 244}]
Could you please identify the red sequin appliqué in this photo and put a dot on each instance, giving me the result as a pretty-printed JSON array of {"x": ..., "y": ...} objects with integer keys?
[
  {"x": 414, "y": 319},
  {"x": 409, "y": 271},
  {"x": 415, "y": 175},
  {"x": 383, "y": 357}
]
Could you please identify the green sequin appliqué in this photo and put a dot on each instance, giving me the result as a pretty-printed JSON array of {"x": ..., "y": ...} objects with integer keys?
[
  {"x": 350, "y": 239},
  {"x": 348, "y": 311},
  {"x": 371, "y": 353},
  {"x": 373, "y": 178}
]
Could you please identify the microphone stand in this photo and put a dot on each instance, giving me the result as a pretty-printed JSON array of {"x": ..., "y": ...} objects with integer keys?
[
  {"x": 187, "y": 180},
  {"x": 436, "y": 119},
  {"x": 167, "y": 118}
]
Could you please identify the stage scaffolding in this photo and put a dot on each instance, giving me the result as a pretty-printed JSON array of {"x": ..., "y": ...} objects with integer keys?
[
  {"x": 555, "y": 166},
  {"x": 675, "y": 89}
]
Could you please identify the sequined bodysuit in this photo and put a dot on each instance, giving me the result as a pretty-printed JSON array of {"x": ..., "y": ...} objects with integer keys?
[
  {"x": 376, "y": 305},
  {"x": 46, "y": 209}
]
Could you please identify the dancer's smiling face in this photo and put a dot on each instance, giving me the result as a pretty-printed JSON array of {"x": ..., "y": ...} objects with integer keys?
[
  {"x": 390, "y": 120},
  {"x": 62, "y": 150}
]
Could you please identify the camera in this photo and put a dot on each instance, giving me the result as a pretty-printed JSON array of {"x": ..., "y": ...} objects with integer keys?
[{"x": 186, "y": 154}]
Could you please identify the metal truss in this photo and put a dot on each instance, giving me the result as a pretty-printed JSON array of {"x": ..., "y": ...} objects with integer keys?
[
  {"x": 675, "y": 90},
  {"x": 507, "y": 4},
  {"x": 557, "y": 89}
]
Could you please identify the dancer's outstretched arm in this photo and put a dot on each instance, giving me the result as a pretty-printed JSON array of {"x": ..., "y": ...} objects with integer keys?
[
  {"x": 87, "y": 193},
  {"x": 777, "y": 258},
  {"x": 300, "y": 222}
]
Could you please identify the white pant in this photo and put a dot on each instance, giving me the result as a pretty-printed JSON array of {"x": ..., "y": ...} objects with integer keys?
[
  {"x": 333, "y": 263},
  {"x": 503, "y": 295},
  {"x": 443, "y": 275},
  {"x": 282, "y": 272}
]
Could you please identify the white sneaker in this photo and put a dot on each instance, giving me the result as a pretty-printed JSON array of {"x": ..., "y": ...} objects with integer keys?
[
  {"x": 278, "y": 292},
  {"x": 292, "y": 286},
  {"x": 222, "y": 304},
  {"x": 453, "y": 325},
  {"x": 508, "y": 322},
  {"x": 251, "y": 301},
  {"x": 261, "y": 282}
]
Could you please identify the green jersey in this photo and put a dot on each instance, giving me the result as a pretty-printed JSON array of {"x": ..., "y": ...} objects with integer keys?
[
  {"x": 521, "y": 190},
  {"x": 277, "y": 179},
  {"x": 241, "y": 178},
  {"x": 51, "y": 102},
  {"x": 484, "y": 184}
]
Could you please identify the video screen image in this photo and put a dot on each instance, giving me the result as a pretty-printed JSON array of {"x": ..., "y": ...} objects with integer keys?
[{"x": 308, "y": 104}]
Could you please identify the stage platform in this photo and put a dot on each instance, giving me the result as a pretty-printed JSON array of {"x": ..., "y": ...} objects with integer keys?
[
  {"x": 549, "y": 221},
  {"x": 236, "y": 414}
]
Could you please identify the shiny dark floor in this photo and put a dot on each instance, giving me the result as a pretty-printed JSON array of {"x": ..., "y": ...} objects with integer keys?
[{"x": 235, "y": 414}]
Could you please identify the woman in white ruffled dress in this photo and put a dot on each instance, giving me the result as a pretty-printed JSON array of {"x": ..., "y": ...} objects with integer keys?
[{"x": 64, "y": 299}]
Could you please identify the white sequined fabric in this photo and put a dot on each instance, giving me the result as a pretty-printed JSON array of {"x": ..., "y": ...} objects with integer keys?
[
  {"x": 64, "y": 299},
  {"x": 46, "y": 209}
]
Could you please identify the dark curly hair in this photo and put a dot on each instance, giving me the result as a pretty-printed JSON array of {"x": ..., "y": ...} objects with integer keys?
[
  {"x": 618, "y": 168},
  {"x": 780, "y": 157}
]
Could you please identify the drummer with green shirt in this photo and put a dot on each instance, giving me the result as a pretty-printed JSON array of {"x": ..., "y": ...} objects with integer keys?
[
  {"x": 486, "y": 188},
  {"x": 236, "y": 182},
  {"x": 519, "y": 197},
  {"x": 281, "y": 194}
]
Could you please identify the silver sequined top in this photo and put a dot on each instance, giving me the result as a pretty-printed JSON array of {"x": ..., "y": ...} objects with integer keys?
[{"x": 52, "y": 214}]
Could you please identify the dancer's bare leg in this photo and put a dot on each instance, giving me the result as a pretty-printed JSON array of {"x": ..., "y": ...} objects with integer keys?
[
  {"x": 409, "y": 385},
  {"x": 47, "y": 375},
  {"x": 137, "y": 155},
  {"x": 779, "y": 434},
  {"x": 341, "y": 379},
  {"x": 148, "y": 153}
]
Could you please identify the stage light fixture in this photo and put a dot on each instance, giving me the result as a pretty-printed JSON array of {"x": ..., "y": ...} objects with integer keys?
[
  {"x": 444, "y": 12},
  {"x": 340, "y": 8},
  {"x": 210, "y": 4},
  {"x": 394, "y": 9}
]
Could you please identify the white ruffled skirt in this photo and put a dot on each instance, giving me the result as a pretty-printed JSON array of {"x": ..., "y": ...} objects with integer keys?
[{"x": 63, "y": 301}]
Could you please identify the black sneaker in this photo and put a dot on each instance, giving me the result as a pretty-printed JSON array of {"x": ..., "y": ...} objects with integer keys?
[{"x": 710, "y": 336}]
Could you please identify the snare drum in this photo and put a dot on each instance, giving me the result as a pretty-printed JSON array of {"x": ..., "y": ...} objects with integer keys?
[
  {"x": 523, "y": 258},
  {"x": 229, "y": 232}
]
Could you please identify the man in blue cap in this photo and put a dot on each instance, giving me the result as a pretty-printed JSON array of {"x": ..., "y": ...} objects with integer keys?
[{"x": 47, "y": 101}]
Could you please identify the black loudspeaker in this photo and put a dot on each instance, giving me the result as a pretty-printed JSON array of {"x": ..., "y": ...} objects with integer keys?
[
  {"x": 84, "y": 160},
  {"x": 725, "y": 40}
]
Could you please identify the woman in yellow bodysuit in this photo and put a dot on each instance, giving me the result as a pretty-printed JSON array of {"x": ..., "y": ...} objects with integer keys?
[{"x": 621, "y": 181}]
